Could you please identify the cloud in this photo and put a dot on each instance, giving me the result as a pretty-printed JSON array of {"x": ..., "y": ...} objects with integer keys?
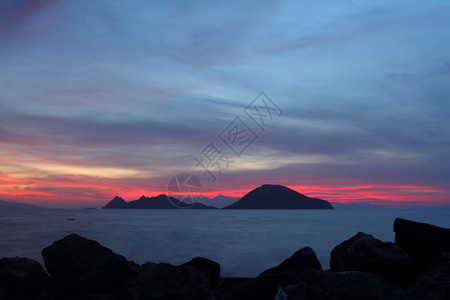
[
  {"x": 14, "y": 14},
  {"x": 104, "y": 98}
]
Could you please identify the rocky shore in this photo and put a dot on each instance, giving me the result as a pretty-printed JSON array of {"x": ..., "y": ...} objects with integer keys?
[{"x": 416, "y": 266}]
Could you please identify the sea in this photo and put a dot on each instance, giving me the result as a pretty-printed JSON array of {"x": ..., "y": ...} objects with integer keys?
[{"x": 243, "y": 242}]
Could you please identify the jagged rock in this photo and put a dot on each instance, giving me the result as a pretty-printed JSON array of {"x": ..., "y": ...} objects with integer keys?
[
  {"x": 95, "y": 296},
  {"x": 246, "y": 290},
  {"x": 3, "y": 295},
  {"x": 227, "y": 284},
  {"x": 434, "y": 283},
  {"x": 165, "y": 281},
  {"x": 265, "y": 285},
  {"x": 22, "y": 278},
  {"x": 301, "y": 260},
  {"x": 85, "y": 265},
  {"x": 365, "y": 253},
  {"x": 134, "y": 266},
  {"x": 52, "y": 294},
  {"x": 350, "y": 285},
  {"x": 208, "y": 266},
  {"x": 423, "y": 242},
  {"x": 82, "y": 269}
]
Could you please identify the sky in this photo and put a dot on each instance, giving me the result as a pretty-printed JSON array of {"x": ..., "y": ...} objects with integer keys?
[{"x": 104, "y": 98}]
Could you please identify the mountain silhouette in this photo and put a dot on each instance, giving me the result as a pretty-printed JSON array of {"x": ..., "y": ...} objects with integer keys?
[
  {"x": 218, "y": 201},
  {"x": 158, "y": 202},
  {"x": 270, "y": 196},
  {"x": 117, "y": 202}
]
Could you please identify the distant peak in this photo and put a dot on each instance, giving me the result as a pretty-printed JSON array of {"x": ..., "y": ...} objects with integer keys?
[
  {"x": 274, "y": 186},
  {"x": 275, "y": 196},
  {"x": 142, "y": 197},
  {"x": 116, "y": 202}
]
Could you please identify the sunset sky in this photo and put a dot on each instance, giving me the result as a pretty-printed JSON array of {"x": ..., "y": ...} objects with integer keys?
[{"x": 105, "y": 98}]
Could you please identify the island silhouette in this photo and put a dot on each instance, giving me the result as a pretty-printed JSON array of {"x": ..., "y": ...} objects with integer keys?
[
  {"x": 267, "y": 196},
  {"x": 159, "y": 202}
]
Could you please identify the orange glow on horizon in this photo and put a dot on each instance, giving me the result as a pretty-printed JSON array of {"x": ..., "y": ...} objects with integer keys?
[{"x": 84, "y": 190}]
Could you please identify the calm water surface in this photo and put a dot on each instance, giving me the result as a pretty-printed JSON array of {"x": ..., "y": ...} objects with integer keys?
[{"x": 244, "y": 242}]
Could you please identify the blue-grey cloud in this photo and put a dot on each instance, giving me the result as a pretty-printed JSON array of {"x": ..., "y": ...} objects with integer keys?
[{"x": 148, "y": 85}]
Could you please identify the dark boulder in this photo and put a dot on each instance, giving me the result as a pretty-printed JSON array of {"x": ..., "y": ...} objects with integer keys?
[
  {"x": 265, "y": 285},
  {"x": 95, "y": 296},
  {"x": 227, "y": 284},
  {"x": 73, "y": 295},
  {"x": 365, "y": 253},
  {"x": 423, "y": 242},
  {"x": 22, "y": 278},
  {"x": 246, "y": 290},
  {"x": 351, "y": 285},
  {"x": 85, "y": 265},
  {"x": 165, "y": 281},
  {"x": 434, "y": 282},
  {"x": 302, "y": 260},
  {"x": 3, "y": 295},
  {"x": 208, "y": 266}
]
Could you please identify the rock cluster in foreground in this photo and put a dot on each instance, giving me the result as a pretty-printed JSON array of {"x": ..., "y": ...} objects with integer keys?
[{"x": 416, "y": 266}]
